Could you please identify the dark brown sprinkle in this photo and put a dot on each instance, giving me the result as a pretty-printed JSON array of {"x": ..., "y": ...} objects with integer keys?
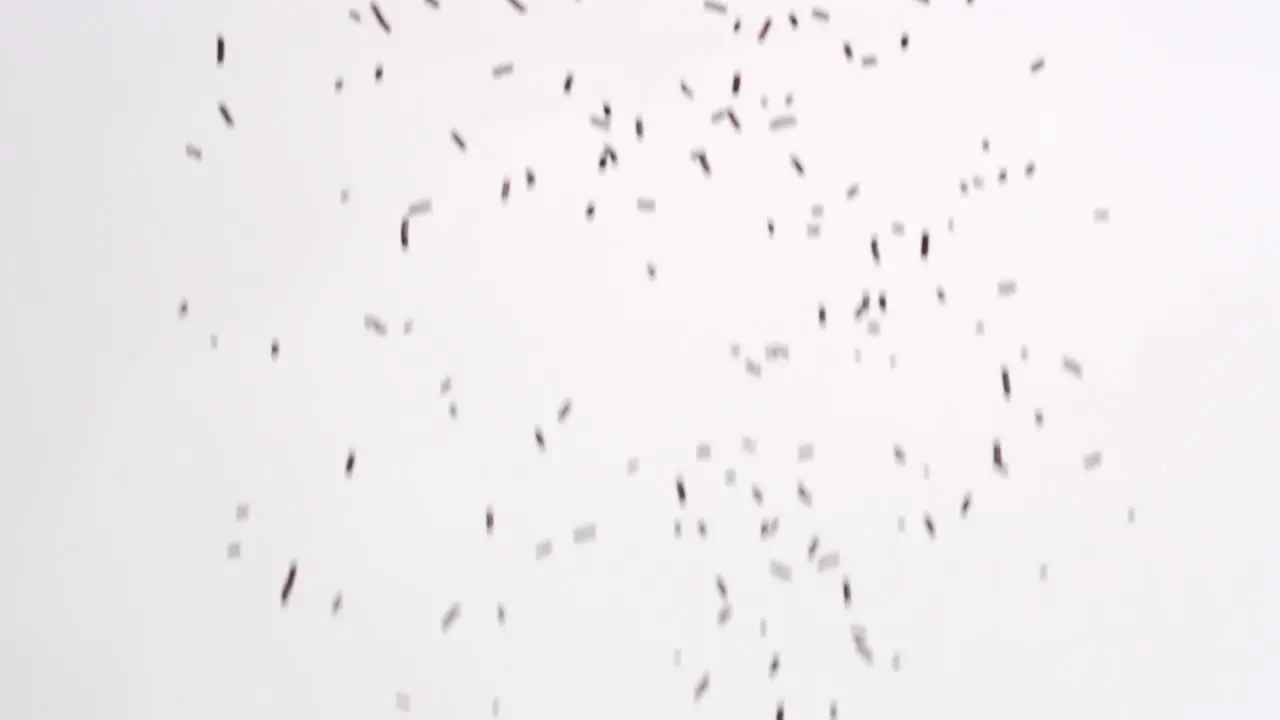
[
  {"x": 964, "y": 504},
  {"x": 795, "y": 163},
  {"x": 942, "y": 294},
  {"x": 457, "y": 140},
  {"x": 563, "y": 413},
  {"x": 733, "y": 120},
  {"x": 848, "y": 52},
  {"x": 608, "y": 111},
  {"x": 434, "y": 3},
  {"x": 701, "y": 688},
  {"x": 182, "y": 308},
  {"x": 780, "y": 713},
  {"x": 863, "y": 306},
  {"x": 875, "y": 249},
  {"x": 928, "y": 525},
  {"x": 537, "y": 436},
  {"x": 904, "y": 41},
  {"x": 337, "y": 603},
  {"x": 591, "y": 211},
  {"x": 899, "y": 455},
  {"x": 289, "y": 579},
  {"x": 529, "y": 179},
  {"x": 924, "y": 245},
  {"x": 822, "y": 315},
  {"x": 986, "y": 145},
  {"x": 813, "y": 547},
  {"x": 377, "y": 73},
  {"x": 997, "y": 455},
  {"x": 770, "y": 226},
  {"x": 680, "y": 492},
  {"x": 684, "y": 88},
  {"x": 226, "y": 115},
  {"x": 795, "y": 22},
  {"x": 737, "y": 83},
  {"x": 884, "y": 302},
  {"x": 1037, "y": 65},
  {"x": 721, "y": 587},
  {"x": 701, "y": 157},
  {"x": 506, "y": 188},
  {"x": 453, "y": 410},
  {"x": 275, "y": 349},
  {"x": 639, "y": 128},
  {"x": 519, "y": 6},
  {"x": 568, "y": 83},
  {"x": 1031, "y": 169},
  {"x": 382, "y": 20},
  {"x": 764, "y": 29},
  {"x": 757, "y": 495},
  {"x": 737, "y": 25},
  {"x": 222, "y": 50},
  {"x": 1002, "y": 176},
  {"x": 1004, "y": 382},
  {"x": 803, "y": 493},
  {"x": 774, "y": 663},
  {"x": 488, "y": 520},
  {"x": 350, "y": 467}
]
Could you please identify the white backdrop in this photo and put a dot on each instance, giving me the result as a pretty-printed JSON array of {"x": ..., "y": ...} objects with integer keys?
[{"x": 129, "y": 441}]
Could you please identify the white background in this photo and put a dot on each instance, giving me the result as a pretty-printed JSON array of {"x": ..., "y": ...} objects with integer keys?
[{"x": 128, "y": 441}]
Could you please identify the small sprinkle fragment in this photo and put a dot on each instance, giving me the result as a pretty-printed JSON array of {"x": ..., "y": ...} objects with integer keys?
[{"x": 584, "y": 533}]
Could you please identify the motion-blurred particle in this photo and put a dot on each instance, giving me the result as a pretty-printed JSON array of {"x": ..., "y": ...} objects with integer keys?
[
  {"x": 899, "y": 455},
  {"x": 584, "y": 533},
  {"x": 848, "y": 52},
  {"x": 1072, "y": 366},
  {"x": 639, "y": 128},
  {"x": 869, "y": 61},
  {"x": 213, "y": 341},
  {"x": 402, "y": 702},
  {"x": 1131, "y": 515},
  {"x": 904, "y": 42},
  {"x": 875, "y": 249},
  {"x": 777, "y": 352},
  {"x": 795, "y": 21},
  {"x": 924, "y": 245},
  {"x": 715, "y": 7},
  {"x": 819, "y": 14},
  {"x": 721, "y": 587},
  {"x": 1044, "y": 572},
  {"x": 503, "y": 69},
  {"x": 457, "y": 140},
  {"x": 730, "y": 476},
  {"x": 1092, "y": 460},
  {"x": 804, "y": 453},
  {"x": 769, "y": 226},
  {"x": 350, "y": 466},
  {"x": 289, "y": 579},
  {"x": 1037, "y": 65},
  {"x": 506, "y": 189},
  {"x": 542, "y": 549},
  {"x": 519, "y": 6},
  {"x": 1005, "y": 384},
  {"x": 737, "y": 84},
  {"x": 233, "y": 551},
  {"x": 529, "y": 179},
  {"x": 195, "y": 153},
  {"x": 764, "y": 29},
  {"x": 724, "y": 615},
  {"x": 591, "y": 211},
  {"x": 633, "y": 465},
  {"x": 737, "y": 25},
  {"x": 538, "y": 438},
  {"x": 774, "y": 663},
  {"x": 1101, "y": 215},
  {"x": 702, "y": 528},
  {"x": 375, "y": 324},
  {"x": 336, "y": 606},
  {"x": 802, "y": 492},
  {"x": 749, "y": 445},
  {"x": 568, "y": 83},
  {"x": 450, "y": 617},
  {"x": 1039, "y": 418},
  {"x": 701, "y": 157},
  {"x": 225, "y": 112},
  {"x": 502, "y": 614},
  {"x": 275, "y": 349},
  {"x": 703, "y": 452},
  {"x": 828, "y": 561},
  {"x": 799, "y": 166},
  {"x": 997, "y": 455},
  {"x": 1031, "y": 169},
  {"x": 822, "y": 316},
  {"x": 753, "y": 368},
  {"x": 1006, "y": 288},
  {"x": 377, "y": 73},
  {"x": 382, "y": 20},
  {"x": 684, "y": 88},
  {"x": 780, "y": 570},
  {"x": 733, "y": 120},
  {"x": 851, "y": 192},
  {"x": 700, "y": 688},
  {"x": 645, "y": 204},
  {"x": 488, "y": 520},
  {"x": 884, "y": 302},
  {"x": 780, "y": 713},
  {"x": 222, "y": 49},
  {"x": 242, "y": 512},
  {"x": 681, "y": 496},
  {"x": 897, "y": 662},
  {"x": 847, "y": 591},
  {"x": 813, "y": 547},
  {"x": 563, "y": 413},
  {"x": 928, "y": 526},
  {"x": 653, "y": 271}
]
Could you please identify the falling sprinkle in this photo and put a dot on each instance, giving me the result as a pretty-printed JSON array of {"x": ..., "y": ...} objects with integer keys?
[
  {"x": 1092, "y": 460},
  {"x": 336, "y": 605},
  {"x": 584, "y": 533},
  {"x": 869, "y": 61},
  {"x": 633, "y": 465},
  {"x": 645, "y": 205},
  {"x": 819, "y": 14},
  {"x": 538, "y": 438},
  {"x": 568, "y": 83},
  {"x": 402, "y": 702},
  {"x": 289, "y": 580},
  {"x": 233, "y": 551},
  {"x": 222, "y": 50},
  {"x": 928, "y": 526},
  {"x": 775, "y": 352},
  {"x": 275, "y": 349},
  {"x": 450, "y": 617},
  {"x": 764, "y": 29},
  {"x": 563, "y": 413},
  {"x": 703, "y": 452},
  {"x": 519, "y": 6},
  {"x": 1037, "y": 65},
  {"x": 503, "y": 70},
  {"x": 1044, "y": 572},
  {"x": 375, "y": 324},
  {"x": 1005, "y": 384},
  {"x": 965, "y": 504},
  {"x": 715, "y": 7},
  {"x": 382, "y": 20},
  {"x": 457, "y": 140},
  {"x": 194, "y": 152},
  {"x": 1101, "y": 215},
  {"x": 780, "y": 570},
  {"x": 242, "y": 512},
  {"x": 1072, "y": 366},
  {"x": 701, "y": 688},
  {"x": 829, "y": 561},
  {"x": 226, "y": 115},
  {"x": 1006, "y": 288},
  {"x": 542, "y": 550},
  {"x": 724, "y": 615}
]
